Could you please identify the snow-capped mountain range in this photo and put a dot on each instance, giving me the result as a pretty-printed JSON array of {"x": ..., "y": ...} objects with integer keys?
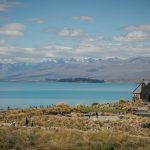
[{"x": 112, "y": 69}]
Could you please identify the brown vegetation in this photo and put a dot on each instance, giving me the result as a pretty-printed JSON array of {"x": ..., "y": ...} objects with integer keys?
[
  {"x": 65, "y": 127},
  {"x": 68, "y": 139}
]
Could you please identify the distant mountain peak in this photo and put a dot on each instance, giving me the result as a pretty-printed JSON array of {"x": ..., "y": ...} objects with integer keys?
[{"x": 111, "y": 69}]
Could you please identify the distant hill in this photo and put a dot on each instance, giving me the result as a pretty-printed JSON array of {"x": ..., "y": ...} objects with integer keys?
[
  {"x": 112, "y": 69},
  {"x": 76, "y": 80}
]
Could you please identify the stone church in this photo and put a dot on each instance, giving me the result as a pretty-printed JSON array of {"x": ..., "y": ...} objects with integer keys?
[{"x": 142, "y": 92}]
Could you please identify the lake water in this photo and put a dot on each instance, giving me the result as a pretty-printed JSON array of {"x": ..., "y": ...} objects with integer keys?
[{"x": 25, "y": 94}]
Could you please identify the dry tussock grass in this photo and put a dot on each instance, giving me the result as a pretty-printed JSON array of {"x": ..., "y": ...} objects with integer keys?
[
  {"x": 68, "y": 139},
  {"x": 62, "y": 127}
]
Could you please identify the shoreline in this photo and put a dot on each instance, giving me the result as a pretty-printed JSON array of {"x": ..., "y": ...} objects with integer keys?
[
  {"x": 103, "y": 102},
  {"x": 45, "y": 81}
]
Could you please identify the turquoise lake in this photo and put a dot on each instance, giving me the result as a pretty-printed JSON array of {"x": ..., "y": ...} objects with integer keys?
[{"x": 25, "y": 94}]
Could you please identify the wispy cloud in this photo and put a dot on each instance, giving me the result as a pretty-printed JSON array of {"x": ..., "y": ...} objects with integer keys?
[
  {"x": 56, "y": 50},
  {"x": 143, "y": 27},
  {"x": 56, "y": 46},
  {"x": 12, "y": 30},
  {"x": 13, "y": 52},
  {"x": 83, "y": 49},
  {"x": 132, "y": 36},
  {"x": 6, "y": 5},
  {"x": 34, "y": 54},
  {"x": 98, "y": 50},
  {"x": 84, "y": 44},
  {"x": 134, "y": 33},
  {"x": 75, "y": 33},
  {"x": 2, "y": 42},
  {"x": 37, "y": 20},
  {"x": 68, "y": 32},
  {"x": 83, "y": 18}
]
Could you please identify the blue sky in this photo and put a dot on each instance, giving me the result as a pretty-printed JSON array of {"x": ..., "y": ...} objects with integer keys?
[{"x": 33, "y": 29}]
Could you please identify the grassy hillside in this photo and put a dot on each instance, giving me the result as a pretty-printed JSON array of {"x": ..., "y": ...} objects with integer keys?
[{"x": 63, "y": 127}]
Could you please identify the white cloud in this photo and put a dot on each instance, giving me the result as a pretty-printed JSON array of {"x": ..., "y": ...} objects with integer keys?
[
  {"x": 2, "y": 42},
  {"x": 67, "y": 32},
  {"x": 83, "y": 49},
  {"x": 132, "y": 36},
  {"x": 77, "y": 34},
  {"x": 56, "y": 50},
  {"x": 37, "y": 20},
  {"x": 56, "y": 47},
  {"x": 12, "y": 30},
  {"x": 144, "y": 27},
  {"x": 84, "y": 45},
  {"x": 99, "y": 49},
  {"x": 134, "y": 33},
  {"x": 6, "y": 5},
  {"x": 107, "y": 50},
  {"x": 83, "y": 18},
  {"x": 13, "y": 52}
]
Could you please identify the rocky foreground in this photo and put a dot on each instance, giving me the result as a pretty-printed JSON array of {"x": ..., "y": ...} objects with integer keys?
[{"x": 99, "y": 126}]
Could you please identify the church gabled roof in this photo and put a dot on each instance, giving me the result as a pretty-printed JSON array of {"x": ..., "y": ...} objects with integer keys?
[{"x": 139, "y": 88}]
